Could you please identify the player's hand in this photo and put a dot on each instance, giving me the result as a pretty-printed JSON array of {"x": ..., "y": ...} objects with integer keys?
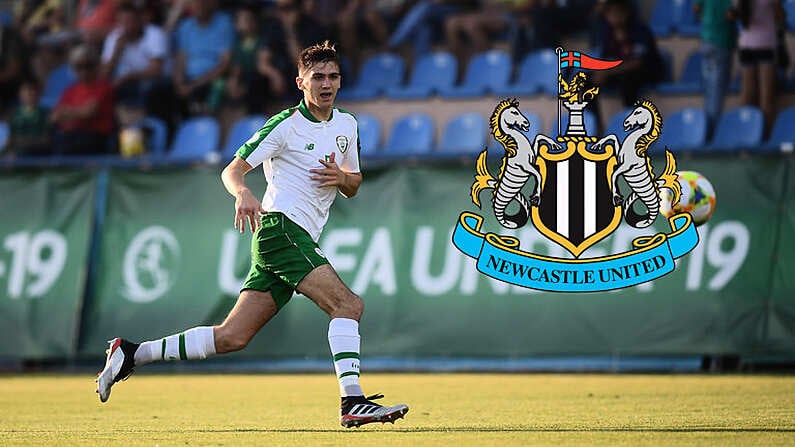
[
  {"x": 247, "y": 209},
  {"x": 330, "y": 174}
]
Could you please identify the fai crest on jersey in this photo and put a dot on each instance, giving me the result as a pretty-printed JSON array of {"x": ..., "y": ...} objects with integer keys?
[
  {"x": 342, "y": 143},
  {"x": 575, "y": 189}
]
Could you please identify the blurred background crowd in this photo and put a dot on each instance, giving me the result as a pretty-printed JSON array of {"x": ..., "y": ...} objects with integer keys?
[{"x": 76, "y": 74}]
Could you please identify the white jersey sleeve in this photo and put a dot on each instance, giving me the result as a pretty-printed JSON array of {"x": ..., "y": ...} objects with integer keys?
[
  {"x": 266, "y": 143},
  {"x": 350, "y": 163}
]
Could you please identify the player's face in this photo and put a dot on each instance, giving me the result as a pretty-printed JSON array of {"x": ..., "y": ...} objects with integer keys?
[{"x": 320, "y": 84}]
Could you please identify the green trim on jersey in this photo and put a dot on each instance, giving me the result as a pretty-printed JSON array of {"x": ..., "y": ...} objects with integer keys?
[
  {"x": 308, "y": 115},
  {"x": 249, "y": 146}
]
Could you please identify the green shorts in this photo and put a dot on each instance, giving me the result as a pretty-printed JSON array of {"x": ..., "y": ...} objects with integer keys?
[{"x": 282, "y": 254}]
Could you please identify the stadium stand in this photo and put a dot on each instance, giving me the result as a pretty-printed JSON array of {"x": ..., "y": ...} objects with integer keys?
[
  {"x": 241, "y": 131},
  {"x": 157, "y": 141},
  {"x": 4, "y": 134},
  {"x": 431, "y": 73},
  {"x": 195, "y": 140},
  {"x": 411, "y": 135},
  {"x": 689, "y": 82},
  {"x": 464, "y": 134}
]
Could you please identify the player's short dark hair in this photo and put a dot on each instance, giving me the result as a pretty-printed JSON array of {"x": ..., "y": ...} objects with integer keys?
[{"x": 317, "y": 54}]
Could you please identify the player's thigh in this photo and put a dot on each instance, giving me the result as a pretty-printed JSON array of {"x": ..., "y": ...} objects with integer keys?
[
  {"x": 325, "y": 288},
  {"x": 252, "y": 310}
]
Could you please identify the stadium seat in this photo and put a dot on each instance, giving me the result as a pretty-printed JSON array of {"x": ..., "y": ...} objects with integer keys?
[
  {"x": 740, "y": 128},
  {"x": 379, "y": 72},
  {"x": 538, "y": 72},
  {"x": 195, "y": 140},
  {"x": 691, "y": 80},
  {"x": 4, "y": 134},
  {"x": 486, "y": 73},
  {"x": 683, "y": 130},
  {"x": 616, "y": 124},
  {"x": 782, "y": 137},
  {"x": 662, "y": 16},
  {"x": 412, "y": 134},
  {"x": 464, "y": 134},
  {"x": 536, "y": 127},
  {"x": 57, "y": 81},
  {"x": 431, "y": 72},
  {"x": 240, "y": 132},
  {"x": 591, "y": 124},
  {"x": 157, "y": 139},
  {"x": 369, "y": 134}
]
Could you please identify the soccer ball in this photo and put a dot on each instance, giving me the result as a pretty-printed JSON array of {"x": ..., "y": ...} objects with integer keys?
[{"x": 698, "y": 197}]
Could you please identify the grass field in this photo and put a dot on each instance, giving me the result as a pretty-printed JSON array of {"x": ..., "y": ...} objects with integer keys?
[{"x": 446, "y": 409}]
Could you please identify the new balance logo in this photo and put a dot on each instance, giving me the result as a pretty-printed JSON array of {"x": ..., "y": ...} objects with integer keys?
[{"x": 309, "y": 147}]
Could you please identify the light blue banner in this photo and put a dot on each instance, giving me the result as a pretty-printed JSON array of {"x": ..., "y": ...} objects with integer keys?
[{"x": 499, "y": 257}]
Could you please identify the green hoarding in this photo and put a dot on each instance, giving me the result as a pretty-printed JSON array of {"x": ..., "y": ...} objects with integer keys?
[
  {"x": 169, "y": 259},
  {"x": 45, "y": 223}
]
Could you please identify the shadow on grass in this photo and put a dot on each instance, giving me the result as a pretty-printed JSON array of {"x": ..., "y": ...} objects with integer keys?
[{"x": 508, "y": 430}]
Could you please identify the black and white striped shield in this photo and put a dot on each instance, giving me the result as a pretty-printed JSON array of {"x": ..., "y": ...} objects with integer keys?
[{"x": 576, "y": 207}]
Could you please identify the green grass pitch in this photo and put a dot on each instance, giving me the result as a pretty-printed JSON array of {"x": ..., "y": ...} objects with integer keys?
[{"x": 446, "y": 410}]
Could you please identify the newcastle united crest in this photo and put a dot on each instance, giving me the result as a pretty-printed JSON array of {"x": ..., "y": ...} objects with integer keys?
[{"x": 569, "y": 188}]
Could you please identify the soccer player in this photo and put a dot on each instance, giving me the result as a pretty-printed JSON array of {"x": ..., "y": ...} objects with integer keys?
[{"x": 308, "y": 152}]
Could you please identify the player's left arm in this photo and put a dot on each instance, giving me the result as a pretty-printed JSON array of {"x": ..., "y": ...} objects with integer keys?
[{"x": 331, "y": 174}]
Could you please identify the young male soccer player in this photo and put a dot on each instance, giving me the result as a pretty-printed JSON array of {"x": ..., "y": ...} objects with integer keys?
[{"x": 309, "y": 152}]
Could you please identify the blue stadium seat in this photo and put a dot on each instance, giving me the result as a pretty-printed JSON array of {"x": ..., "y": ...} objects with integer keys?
[
  {"x": 412, "y": 134},
  {"x": 240, "y": 132},
  {"x": 538, "y": 72},
  {"x": 685, "y": 19},
  {"x": 432, "y": 72},
  {"x": 486, "y": 73},
  {"x": 196, "y": 138},
  {"x": 369, "y": 134},
  {"x": 379, "y": 72},
  {"x": 740, "y": 128},
  {"x": 536, "y": 127},
  {"x": 464, "y": 134},
  {"x": 157, "y": 139},
  {"x": 782, "y": 137},
  {"x": 57, "y": 81},
  {"x": 5, "y": 132},
  {"x": 668, "y": 65},
  {"x": 616, "y": 124},
  {"x": 591, "y": 124},
  {"x": 691, "y": 80},
  {"x": 683, "y": 130},
  {"x": 662, "y": 16}
]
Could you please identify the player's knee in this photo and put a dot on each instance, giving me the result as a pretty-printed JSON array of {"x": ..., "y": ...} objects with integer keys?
[
  {"x": 350, "y": 307},
  {"x": 228, "y": 341}
]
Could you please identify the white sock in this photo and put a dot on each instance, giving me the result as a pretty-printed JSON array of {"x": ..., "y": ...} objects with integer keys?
[
  {"x": 343, "y": 338},
  {"x": 196, "y": 343}
]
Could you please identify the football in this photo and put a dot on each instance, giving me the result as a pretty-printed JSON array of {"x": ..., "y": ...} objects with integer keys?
[{"x": 698, "y": 198}]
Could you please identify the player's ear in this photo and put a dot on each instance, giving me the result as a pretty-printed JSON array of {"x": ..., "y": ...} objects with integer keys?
[{"x": 299, "y": 82}]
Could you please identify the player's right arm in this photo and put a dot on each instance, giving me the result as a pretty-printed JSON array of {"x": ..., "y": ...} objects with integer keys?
[{"x": 247, "y": 207}]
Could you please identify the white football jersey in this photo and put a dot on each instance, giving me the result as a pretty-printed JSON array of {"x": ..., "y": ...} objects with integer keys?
[{"x": 288, "y": 146}]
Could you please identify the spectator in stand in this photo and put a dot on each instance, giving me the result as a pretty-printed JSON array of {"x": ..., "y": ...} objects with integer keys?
[
  {"x": 31, "y": 133},
  {"x": 133, "y": 58},
  {"x": 254, "y": 81},
  {"x": 84, "y": 115},
  {"x": 423, "y": 20},
  {"x": 538, "y": 25},
  {"x": 95, "y": 19},
  {"x": 371, "y": 22},
  {"x": 718, "y": 39},
  {"x": 469, "y": 32},
  {"x": 204, "y": 44},
  {"x": 12, "y": 66},
  {"x": 300, "y": 29},
  {"x": 624, "y": 36},
  {"x": 759, "y": 20}
]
